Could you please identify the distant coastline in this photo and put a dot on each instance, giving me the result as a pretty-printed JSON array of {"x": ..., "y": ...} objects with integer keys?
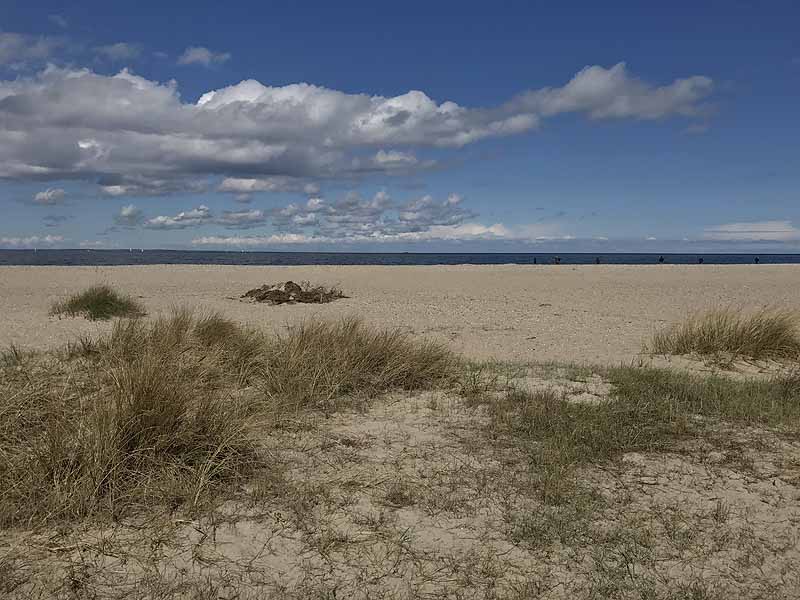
[{"x": 135, "y": 256}]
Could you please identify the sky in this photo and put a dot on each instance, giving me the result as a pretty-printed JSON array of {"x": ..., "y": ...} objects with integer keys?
[{"x": 415, "y": 126}]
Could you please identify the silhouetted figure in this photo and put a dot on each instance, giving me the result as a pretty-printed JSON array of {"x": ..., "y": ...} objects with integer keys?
[
  {"x": 758, "y": 260},
  {"x": 556, "y": 260},
  {"x": 597, "y": 260},
  {"x": 661, "y": 259},
  {"x": 700, "y": 260},
  {"x": 534, "y": 260}
]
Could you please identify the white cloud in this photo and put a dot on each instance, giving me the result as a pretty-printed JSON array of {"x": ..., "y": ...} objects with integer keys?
[
  {"x": 31, "y": 241},
  {"x": 613, "y": 93},
  {"x": 49, "y": 196},
  {"x": 777, "y": 231},
  {"x": 190, "y": 218},
  {"x": 20, "y": 49},
  {"x": 120, "y": 51},
  {"x": 442, "y": 233},
  {"x": 355, "y": 219},
  {"x": 129, "y": 216},
  {"x": 238, "y": 241},
  {"x": 241, "y": 219},
  {"x": 198, "y": 55},
  {"x": 393, "y": 157},
  {"x": 202, "y": 215},
  {"x": 238, "y": 185},
  {"x": 135, "y": 136}
]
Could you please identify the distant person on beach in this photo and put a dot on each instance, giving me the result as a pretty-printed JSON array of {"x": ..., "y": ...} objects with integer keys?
[
  {"x": 758, "y": 260},
  {"x": 534, "y": 260},
  {"x": 661, "y": 259},
  {"x": 700, "y": 260},
  {"x": 597, "y": 260}
]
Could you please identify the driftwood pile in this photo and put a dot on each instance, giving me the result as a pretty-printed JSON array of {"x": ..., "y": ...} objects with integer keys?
[{"x": 291, "y": 292}]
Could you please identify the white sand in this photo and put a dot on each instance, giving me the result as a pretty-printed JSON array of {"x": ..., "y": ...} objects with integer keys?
[{"x": 598, "y": 314}]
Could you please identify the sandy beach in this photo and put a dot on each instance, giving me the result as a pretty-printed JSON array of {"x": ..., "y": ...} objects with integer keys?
[{"x": 596, "y": 314}]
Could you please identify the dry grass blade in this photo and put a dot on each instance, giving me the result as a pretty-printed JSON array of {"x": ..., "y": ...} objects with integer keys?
[
  {"x": 99, "y": 302},
  {"x": 159, "y": 412},
  {"x": 318, "y": 362},
  {"x": 148, "y": 418},
  {"x": 764, "y": 335}
]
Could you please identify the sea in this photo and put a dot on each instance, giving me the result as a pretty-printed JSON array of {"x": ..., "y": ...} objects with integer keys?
[{"x": 202, "y": 257}]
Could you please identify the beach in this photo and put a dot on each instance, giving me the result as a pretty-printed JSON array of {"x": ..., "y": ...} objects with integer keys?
[{"x": 597, "y": 314}]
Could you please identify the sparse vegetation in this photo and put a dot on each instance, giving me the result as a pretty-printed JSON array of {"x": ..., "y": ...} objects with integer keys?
[
  {"x": 318, "y": 362},
  {"x": 144, "y": 417},
  {"x": 100, "y": 302},
  {"x": 202, "y": 442},
  {"x": 158, "y": 412},
  {"x": 649, "y": 410},
  {"x": 763, "y": 335}
]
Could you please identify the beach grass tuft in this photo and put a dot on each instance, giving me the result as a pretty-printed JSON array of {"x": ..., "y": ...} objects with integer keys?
[
  {"x": 318, "y": 362},
  {"x": 763, "y": 335},
  {"x": 147, "y": 418},
  {"x": 164, "y": 412},
  {"x": 99, "y": 302}
]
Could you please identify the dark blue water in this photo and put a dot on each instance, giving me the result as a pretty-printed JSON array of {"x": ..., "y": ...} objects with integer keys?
[{"x": 191, "y": 257}]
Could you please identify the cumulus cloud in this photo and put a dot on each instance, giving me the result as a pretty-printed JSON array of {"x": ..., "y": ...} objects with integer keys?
[
  {"x": 198, "y": 55},
  {"x": 135, "y": 136},
  {"x": 776, "y": 231},
  {"x": 243, "y": 219},
  {"x": 355, "y": 217},
  {"x": 190, "y": 218},
  {"x": 17, "y": 49},
  {"x": 120, "y": 51},
  {"x": 129, "y": 216},
  {"x": 32, "y": 241},
  {"x": 613, "y": 93},
  {"x": 379, "y": 219},
  {"x": 239, "y": 185},
  {"x": 202, "y": 215},
  {"x": 443, "y": 233},
  {"x": 49, "y": 197}
]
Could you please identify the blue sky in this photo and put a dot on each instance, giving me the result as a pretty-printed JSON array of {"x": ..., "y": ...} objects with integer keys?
[{"x": 515, "y": 126}]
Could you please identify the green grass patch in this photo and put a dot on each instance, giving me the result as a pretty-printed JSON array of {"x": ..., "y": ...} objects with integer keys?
[{"x": 100, "y": 302}]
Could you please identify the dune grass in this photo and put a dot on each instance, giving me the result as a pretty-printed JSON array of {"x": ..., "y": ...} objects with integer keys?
[
  {"x": 99, "y": 302},
  {"x": 164, "y": 413},
  {"x": 317, "y": 362},
  {"x": 649, "y": 410},
  {"x": 763, "y": 335}
]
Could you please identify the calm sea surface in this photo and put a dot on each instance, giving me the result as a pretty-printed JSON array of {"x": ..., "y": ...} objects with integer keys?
[{"x": 183, "y": 257}]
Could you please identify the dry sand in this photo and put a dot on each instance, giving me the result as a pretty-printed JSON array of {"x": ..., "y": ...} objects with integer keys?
[{"x": 597, "y": 314}]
